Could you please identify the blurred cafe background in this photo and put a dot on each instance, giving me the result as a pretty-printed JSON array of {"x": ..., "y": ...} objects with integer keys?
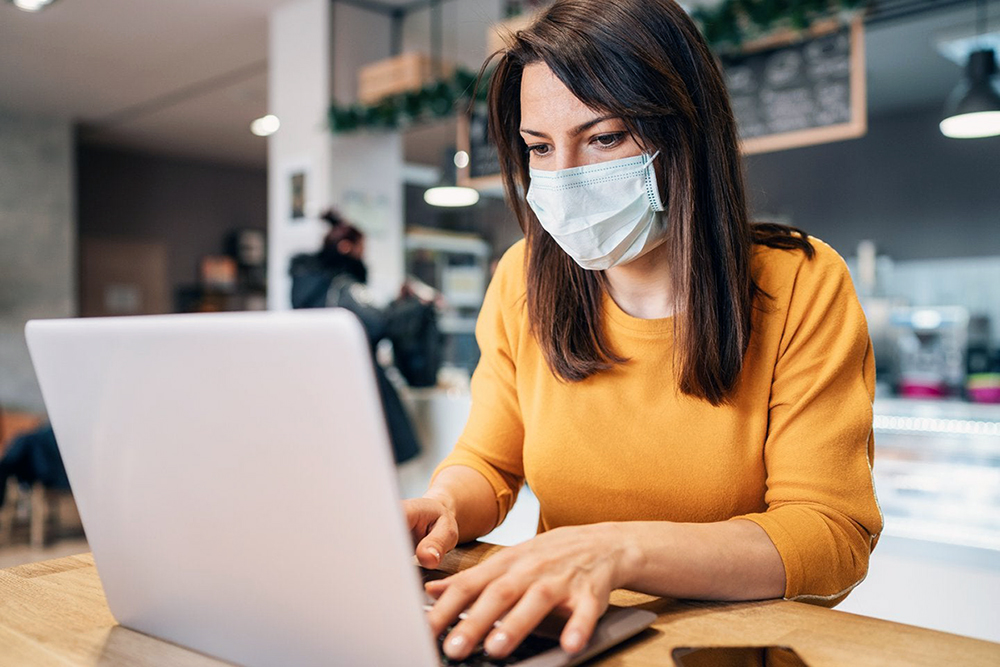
[{"x": 162, "y": 157}]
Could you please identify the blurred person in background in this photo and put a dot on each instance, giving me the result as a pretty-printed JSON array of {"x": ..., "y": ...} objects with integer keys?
[{"x": 336, "y": 277}]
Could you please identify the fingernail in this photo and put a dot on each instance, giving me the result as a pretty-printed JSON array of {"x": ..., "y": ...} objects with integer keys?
[
  {"x": 497, "y": 642},
  {"x": 434, "y": 552},
  {"x": 454, "y": 646},
  {"x": 574, "y": 641}
]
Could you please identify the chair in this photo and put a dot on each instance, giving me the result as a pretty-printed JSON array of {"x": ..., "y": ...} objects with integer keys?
[{"x": 46, "y": 506}]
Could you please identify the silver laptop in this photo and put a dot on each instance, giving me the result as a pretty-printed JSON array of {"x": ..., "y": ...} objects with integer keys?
[{"x": 236, "y": 484}]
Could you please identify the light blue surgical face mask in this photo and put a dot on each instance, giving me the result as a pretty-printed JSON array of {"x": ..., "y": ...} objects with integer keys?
[{"x": 602, "y": 215}]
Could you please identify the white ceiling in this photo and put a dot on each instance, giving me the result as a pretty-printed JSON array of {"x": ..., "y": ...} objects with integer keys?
[
  {"x": 130, "y": 69},
  {"x": 186, "y": 77}
]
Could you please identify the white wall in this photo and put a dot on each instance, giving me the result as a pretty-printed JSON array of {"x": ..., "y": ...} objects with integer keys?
[
  {"x": 298, "y": 93},
  {"x": 367, "y": 187},
  {"x": 37, "y": 242},
  {"x": 316, "y": 50}
]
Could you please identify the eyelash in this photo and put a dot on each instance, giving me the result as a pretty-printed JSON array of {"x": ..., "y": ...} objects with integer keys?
[{"x": 616, "y": 138}]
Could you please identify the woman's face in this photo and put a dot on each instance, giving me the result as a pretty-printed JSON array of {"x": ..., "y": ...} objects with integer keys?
[{"x": 562, "y": 132}]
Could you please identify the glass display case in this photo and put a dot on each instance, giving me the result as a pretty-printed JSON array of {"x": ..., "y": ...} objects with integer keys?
[{"x": 937, "y": 471}]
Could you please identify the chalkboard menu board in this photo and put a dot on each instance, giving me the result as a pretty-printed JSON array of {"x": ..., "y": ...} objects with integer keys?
[
  {"x": 808, "y": 92},
  {"x": 473, "y": 137}
]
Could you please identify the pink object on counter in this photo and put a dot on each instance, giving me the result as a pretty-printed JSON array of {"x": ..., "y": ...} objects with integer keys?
[
  {"x": 916, "y": 389},
  {"x": 984, "y": 394}
]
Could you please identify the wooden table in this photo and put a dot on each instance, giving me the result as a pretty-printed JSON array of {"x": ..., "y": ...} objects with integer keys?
[{"x": 54, "y": 613}]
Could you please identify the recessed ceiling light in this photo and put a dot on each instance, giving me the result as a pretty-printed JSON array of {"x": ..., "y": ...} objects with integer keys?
[
  {"x": 32, "y": 5},
  {"x": 265, "y": 125}
]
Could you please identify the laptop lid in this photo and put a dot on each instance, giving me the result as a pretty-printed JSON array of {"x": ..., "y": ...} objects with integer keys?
[{"x": 235, "y": 481}]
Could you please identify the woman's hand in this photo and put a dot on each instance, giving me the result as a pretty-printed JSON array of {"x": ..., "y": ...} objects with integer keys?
[
  {"x": 571, "y": 570},
  {"x": 433, "y": 528}
]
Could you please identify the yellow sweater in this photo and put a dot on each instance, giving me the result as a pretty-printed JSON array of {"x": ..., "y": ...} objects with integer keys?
[{"x": 792, "y": 453}]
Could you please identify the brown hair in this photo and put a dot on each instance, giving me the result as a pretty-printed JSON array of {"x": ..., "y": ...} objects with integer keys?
[
  {"x": 645, "y": 62},
  {"x": 340, "y": 229}
]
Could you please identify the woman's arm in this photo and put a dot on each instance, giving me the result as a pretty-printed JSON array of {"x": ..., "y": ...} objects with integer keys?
[
  {"x": 458, "y": 507},
  {"x": 727, "y": 560}
]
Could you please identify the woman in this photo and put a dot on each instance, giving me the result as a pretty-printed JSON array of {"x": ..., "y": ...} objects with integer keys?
[{"x": 689, "y": 395}]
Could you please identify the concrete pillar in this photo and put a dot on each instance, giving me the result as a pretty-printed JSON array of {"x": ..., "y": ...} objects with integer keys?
[{"x": 38, "y": 244}]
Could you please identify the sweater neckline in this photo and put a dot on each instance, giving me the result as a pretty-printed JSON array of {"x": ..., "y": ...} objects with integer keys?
[{"x": 657, "y": 326}]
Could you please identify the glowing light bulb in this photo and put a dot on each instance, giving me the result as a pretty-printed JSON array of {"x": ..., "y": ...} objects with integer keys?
[{"x": 265, "y": 125}]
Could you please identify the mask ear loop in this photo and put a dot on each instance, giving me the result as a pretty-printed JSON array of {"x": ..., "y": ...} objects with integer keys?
[{"x": 652, "y": 192}]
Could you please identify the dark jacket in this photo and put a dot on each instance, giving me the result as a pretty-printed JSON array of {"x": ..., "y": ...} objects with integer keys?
[
  {"x": 317, "y": 284},
  {"x": 33, "y": 457}
]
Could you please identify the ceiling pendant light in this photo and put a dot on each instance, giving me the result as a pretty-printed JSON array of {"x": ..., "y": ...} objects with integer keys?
[
  {"x": 451, "y": 196},
  {"x": 973, "y": 109},
  {"x": 447, "y": 193}
]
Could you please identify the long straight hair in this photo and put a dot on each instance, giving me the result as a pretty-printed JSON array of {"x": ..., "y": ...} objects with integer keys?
[{"x": 645, "y": 62}]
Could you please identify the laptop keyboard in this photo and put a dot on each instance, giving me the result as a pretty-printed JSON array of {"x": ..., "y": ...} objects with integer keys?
[
  {"x": 532, "y": 645},
  {"x": 529, "y": 648}
]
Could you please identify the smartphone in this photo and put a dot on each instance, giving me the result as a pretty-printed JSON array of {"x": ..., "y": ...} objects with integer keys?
[{"x": 737, "y": 656}]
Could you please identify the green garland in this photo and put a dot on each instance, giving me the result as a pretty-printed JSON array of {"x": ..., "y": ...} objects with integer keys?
[
  {"x": 732, "y": 23},
  {"x": 726, "y": 27},
  {"x": 435, "y": 100}
]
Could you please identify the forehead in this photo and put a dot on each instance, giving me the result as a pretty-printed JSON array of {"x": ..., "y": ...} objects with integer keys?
[{"x": 546, "y": 101}]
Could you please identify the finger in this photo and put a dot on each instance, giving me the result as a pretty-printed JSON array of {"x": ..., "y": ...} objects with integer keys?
[
  {"x": 436, "y": 587},
  {"x": 495, "y": 601},
  {"x": 453, "y": 601},
  {"x": 418, "y": 518},
  {"x": 487, "y": 571},
  {"x": 580, "y": 626},
  {"x": 538, "y": 601},
  {"x": 442, "y": 538}
]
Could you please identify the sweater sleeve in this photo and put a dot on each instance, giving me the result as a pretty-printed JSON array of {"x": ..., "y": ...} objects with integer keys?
[
  {"x": 492, "y": 440},
  {"x": 822, "y": 514}
]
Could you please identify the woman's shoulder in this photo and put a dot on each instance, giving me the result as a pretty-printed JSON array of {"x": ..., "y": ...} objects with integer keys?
[
  {"x": 778, "y": 270},
  {"x": 807, "y": 293},
  {"x": 504, "y": 312},
  {"x": 509, "y": 277},
  {"x": 514, "y": 255}
]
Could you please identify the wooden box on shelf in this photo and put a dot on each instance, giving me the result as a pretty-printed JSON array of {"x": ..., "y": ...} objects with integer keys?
[{"x": 399, "y": 74}]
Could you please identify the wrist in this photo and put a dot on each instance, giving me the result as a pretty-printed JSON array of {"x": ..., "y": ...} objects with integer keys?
[{"x": 627, "y": 554}]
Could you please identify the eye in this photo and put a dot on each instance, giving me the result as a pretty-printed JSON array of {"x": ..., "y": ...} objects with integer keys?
[
  {"x": 609, "y": 140},
  {"x": 539, "y": 149}
]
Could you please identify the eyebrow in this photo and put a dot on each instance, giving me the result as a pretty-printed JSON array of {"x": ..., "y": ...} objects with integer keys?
[{"x": 576, "y": 130}]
